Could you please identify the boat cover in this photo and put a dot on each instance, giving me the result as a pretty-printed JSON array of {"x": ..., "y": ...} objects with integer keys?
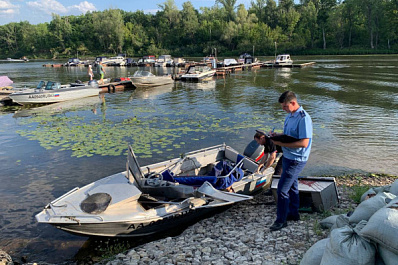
[
  {"x": 222, "y": 176},
  {"x": 5, "y": 81}
]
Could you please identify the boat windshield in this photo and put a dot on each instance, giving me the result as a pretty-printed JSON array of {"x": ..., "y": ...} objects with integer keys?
[
  {"x": 198, "y": 69},
  {"x": 52, "y": 85},
  {"x": 40, "y": 85},
  {"x": 142, "y": 74}
]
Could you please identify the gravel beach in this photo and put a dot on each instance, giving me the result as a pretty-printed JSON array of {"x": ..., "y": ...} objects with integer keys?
[{"x": 241, "y": 234}]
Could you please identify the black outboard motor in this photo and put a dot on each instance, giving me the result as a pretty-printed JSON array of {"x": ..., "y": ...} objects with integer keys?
[{"x": 254, "y": 150}]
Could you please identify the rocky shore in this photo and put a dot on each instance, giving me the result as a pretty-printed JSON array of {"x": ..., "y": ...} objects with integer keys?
[{"x": 241, "y": 234}]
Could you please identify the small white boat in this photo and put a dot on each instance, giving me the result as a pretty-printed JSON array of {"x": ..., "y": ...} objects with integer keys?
[
  {"x": 283, "y": 59},
  {"x": 116, "y": 61},
  {"x": 52, "y": 92},
  {"x": 146, "y": 79},
  {"x": 163, "y": 60},
  {"x": 23, "y": 59},
  {"x": 74, "y": 62},
  {"x": 157, "y": 197},
  {"x": 197, "y": 73}
]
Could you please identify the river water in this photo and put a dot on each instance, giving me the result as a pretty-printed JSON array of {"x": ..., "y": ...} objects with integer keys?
[{"x": 47, "y": 151}]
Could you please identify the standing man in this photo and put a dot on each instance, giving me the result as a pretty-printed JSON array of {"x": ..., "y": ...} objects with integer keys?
[
  {"x": 101, "y": 71},
  {"x": 298, "y": 124},
  {"x": 270, "y": 152}
]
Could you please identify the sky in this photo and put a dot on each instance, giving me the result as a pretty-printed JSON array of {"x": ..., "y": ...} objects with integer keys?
[{"x": 39, "y": 11}]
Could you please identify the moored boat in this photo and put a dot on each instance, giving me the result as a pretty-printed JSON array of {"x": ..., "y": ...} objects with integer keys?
[
  {"x": 146, "y": 79},
  {"x": 23, "y": 59},
  {"x": 283, "y": 59},
  {"x": 197, "y": 73},
  {"x": 116, "y": 61},
  {"x": 157, "y": 197},
  {"x": 74, "y": 62},
  {"x": 163, "y": 60},
  {"x": 52, "y": 92}
]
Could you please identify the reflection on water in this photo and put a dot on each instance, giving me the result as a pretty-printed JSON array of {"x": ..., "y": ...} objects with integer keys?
[
  {"x": 61, "y": 107},
  {"x": 204, "y": 85},
  {"x": 51, "y": 149},
  {"x": 151, "y": 92}
]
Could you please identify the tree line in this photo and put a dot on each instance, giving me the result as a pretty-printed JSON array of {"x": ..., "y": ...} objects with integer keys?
[{"x": 309, "y": 27}]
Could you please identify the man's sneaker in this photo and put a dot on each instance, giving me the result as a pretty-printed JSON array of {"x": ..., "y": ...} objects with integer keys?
[{"x": 277, "y": 226}]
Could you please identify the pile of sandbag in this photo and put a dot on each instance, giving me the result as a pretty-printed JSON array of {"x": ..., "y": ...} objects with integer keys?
[{"x": 367, "y": 236}]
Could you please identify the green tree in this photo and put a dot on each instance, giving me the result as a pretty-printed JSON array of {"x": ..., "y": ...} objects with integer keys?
[
  {"x": 189, "y": 22},
  {"x": 229, "y": 6},
  {"x": 60, "y": 31},
  {"x": 108, "y": 29}
]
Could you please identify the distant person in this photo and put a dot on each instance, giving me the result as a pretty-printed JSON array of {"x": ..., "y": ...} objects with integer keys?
[
  {"x": 271, "y": 152},
  {"x": 101, "y": 71},
  {"x": 90, "y": 72},
  {"x": 298, "y": 124}
]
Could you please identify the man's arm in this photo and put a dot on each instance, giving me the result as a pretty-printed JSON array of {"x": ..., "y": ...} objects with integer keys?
[
  {"x": 302, "y": 143},
  {"x": 270, "y": 160},
  {"x": 262, "y": 162}
]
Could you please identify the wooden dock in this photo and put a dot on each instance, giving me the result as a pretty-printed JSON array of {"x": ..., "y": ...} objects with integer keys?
[
  {"x": 272, "y": 65},
  {"x": 226, "y": 70},
  {"x": 117, "y": 85}
]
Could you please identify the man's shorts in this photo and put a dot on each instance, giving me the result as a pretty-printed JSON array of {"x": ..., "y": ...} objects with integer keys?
[{"x": 102, "y": 76}]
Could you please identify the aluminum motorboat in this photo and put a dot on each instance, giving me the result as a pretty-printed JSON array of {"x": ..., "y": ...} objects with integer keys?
[{"x": 157, "y": 197}]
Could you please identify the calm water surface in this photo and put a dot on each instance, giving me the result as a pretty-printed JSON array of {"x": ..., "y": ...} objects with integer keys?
[{"x": 47, "y": 151}]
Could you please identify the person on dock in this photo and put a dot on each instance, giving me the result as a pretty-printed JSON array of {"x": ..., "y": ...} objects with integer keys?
[
  {"x": 298, "y": 124},
  {"x": 101, "y": 71},
  {"x": 90, "y": 72},
  {"x": 271, "y": 152}
]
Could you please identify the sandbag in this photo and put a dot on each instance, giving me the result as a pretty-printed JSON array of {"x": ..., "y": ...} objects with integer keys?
[
  {"x": 379, "y": 260},
  {"x": 314, "y": 254},
  {"x": 368, "y": 207},
  {"x": 373, "y": 191},
  {"x": 347, "y": 247},
  {"x": 341, "y": 221},
  {"x": 328, "y": 222},
  {"x": 394, "y": 188},
  {"x": 382, "y": 227},
  {"x": 388, "y": 257}
]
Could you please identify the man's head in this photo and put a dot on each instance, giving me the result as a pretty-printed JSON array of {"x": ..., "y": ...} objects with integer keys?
[
  {"x": 288, "y": 101},
  {"x": 260, "y": 137}
]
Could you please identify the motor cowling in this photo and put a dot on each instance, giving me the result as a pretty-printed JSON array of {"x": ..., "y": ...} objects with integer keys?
[{"x": 254, "y": 150}]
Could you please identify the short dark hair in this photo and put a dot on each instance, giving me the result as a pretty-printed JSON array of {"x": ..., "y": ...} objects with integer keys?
[
  {"x": 287, "y": 96},
  {"x": 259, "y": 134}
]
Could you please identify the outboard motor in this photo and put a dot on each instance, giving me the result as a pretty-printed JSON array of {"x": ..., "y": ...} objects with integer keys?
[{"x": 254, "y": 151}]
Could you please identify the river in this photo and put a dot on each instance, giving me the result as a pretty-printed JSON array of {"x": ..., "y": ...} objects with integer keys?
[{"x": 45, "y": 152}]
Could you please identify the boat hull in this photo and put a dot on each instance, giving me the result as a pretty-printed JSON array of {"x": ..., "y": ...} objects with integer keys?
[
  {"x": 134, "y": 229},
  {"x": 151, "y": 81},
  {"x": 198, "y": 77},
  {"x": 54, "y": 96}
]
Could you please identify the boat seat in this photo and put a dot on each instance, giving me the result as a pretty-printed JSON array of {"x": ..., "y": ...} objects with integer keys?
[{"x": 222, "y": 176}]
